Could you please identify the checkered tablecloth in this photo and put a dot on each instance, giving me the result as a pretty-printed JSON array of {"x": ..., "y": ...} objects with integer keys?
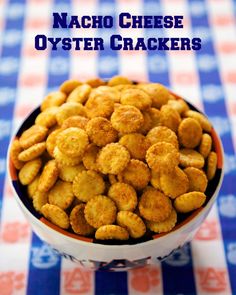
[{"x": 207, "y": 78}]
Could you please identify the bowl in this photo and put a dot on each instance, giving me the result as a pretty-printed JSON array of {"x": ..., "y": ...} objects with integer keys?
[{"x": 90, "y": 253}]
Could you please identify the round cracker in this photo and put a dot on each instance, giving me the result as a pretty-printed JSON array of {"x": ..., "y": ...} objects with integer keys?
[
  {"x": 170, "y": 117},
  {"x": 61, "y": 194},
  {"x": 154, "y": 205},
  {"x": 88, "y": 184},
  {"x": 69, "y": 85},
  {"x": 80, "y": 94},
  {"x": 78, "y": 222},
  {"x": 162, "y": 134},
  {"x": 55, "y": 215},
  {"x": 68, "y": 173},
  {"x": 100, "y": 210},
  {"x": 189, "y": 202},
  {"x": 124, "y": 196},
  {"x": 113, "y": 158},
  {"x": 53, "y": 99},
  {"x": 15, "y": 150},
  {"x": 72, "y": 141},
  {"x": 211, "y": 165},
  {"x": 132, "y": 222},
  {"x": 163, "y": 226},
  {"x": 137, "y": 145},
  {"x": 189, "y": 133},
  {"x": 137, "y": 98},
  {"x": 70, "y": 109},
  {"x": 48, "y": 177},
  {"x": 136, "y": 174},
  {"x": 174, "y": 183},
  {"x": 191, "y": 158},
  {"x": 32, "y": 152},
  {"x": 127, "y": 119},
  {"x": 111, "y": 232},
  {"x": 29, "y": 171},
  {"x": 197, "y": 179},
  {"x": 205, "y": 145},
  {"x": 162, "y": 156},
  {"x": 33, "y": 135},
  {"x": 100, "y": 131},
  {"x": 99, "y": 105}
]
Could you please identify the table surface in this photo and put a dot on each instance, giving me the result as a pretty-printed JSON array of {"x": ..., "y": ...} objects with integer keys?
[{"x": 207, "y": 78}]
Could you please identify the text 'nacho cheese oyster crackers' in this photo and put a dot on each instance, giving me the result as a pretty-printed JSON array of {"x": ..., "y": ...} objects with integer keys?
[{"x": 116, "y": 160}]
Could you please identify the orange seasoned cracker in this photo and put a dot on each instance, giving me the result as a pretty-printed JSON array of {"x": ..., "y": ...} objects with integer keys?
[
  {"x": 53, "y": 99},
  {"x": 69, "y": 85},
  {"x": 70, "y": 109},
  {"x": 33, "y": 135},
  {"x": 88, "y": 184},
  {"x": 119, "y": 80},
  {"x": 155, "y": 116},
  {"x": 90, "y": 157},
  {"x": 95, "y": 82},
  {"x": 137, "y": 98},
  {"x": 29, "y": 171},
  {"x": 147, "y": 122},
  {"x": 127, "y": 119},
  {"x": 170, "y": 117},
  {"x": 197, "y": 179},
  {"x": 32, "y": 152},
  {"x": 99, "y": 105},
  {"x": 191, "y": 158},
  {"x": 47, "y": 118},
  {"x": 78, "y": 222},
  {"x": 189, "y": 202},
  {"x": 33, "y": 187},
  {"x": 136, "y": 174},
  {"x": 51, "y": 142},
  {"x": 113, "y": 158},
  {"x": 174, "y": 183},
  {"x": 15, "y": 150},
  {"x": 72, "y": 141},
  {"x": 100, "y": 131},
  {"x": 154, "y": 205},
  {"x": 124, "y": 196},
  {"x": 100, "y": 210},
  {"x": 189, "y": 133},
  {"x": 48, "y": 177},
  {"x": 162, "y": 134},
  {"x": 179, "y": 105},
  {"x": 113, "y": 93},
  {"x": 162, "y": 156},
  {"x": 61, "y": 194},
  {"x": 56, "y": 215},
  {"x": 137, "y": 145},
  {"x": 203, "y": 121},
  {"x": 165, "y": 225},
  {"x": 80, "y": 94},
  {"x": 158, "y": 93},
  {"x": 75, "y": 121},
  {"x": 132, "y": 222},
  {"x": 111, "y": 232},
  {"x": 39, "y": 199},
  {"x": 205, "y": 145},
  {"x": 211, "y": 165},
  {"x": 68, "y": 173},
  {"x": 63, "y": 159}
]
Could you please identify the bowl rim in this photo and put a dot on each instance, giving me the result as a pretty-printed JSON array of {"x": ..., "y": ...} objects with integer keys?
[{"x": 181, "y": 228}]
